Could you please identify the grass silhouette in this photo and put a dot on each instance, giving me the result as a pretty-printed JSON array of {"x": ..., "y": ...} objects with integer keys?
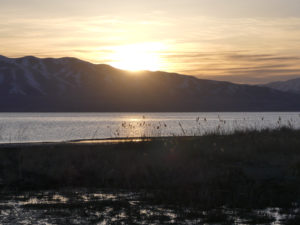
[{"x": 247, "y": 170}]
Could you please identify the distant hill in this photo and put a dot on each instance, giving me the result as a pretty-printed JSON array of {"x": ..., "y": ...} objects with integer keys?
[
  {"x": 69, "y": 84},
  {"x": 286, "y": 86}
]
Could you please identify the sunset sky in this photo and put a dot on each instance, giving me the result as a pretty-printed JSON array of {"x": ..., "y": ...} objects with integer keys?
[{"x": 244, "y": 41}]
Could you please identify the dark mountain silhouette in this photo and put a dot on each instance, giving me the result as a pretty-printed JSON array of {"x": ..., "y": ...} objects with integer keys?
[
  {"x": 292, "y": 85},
  {"x": 69, "y": 84}
]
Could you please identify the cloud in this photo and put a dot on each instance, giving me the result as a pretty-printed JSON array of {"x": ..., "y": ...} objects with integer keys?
[
  {"x": 247, "y": 48},
  {"x": 242, "y": 67}
]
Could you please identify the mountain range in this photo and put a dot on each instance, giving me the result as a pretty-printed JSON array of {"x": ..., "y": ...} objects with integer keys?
[
  {"x": 292, "y": 85},
  {"x": 31, "y": 84}
]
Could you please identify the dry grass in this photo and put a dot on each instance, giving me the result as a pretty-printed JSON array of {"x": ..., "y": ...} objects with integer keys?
[{"x": 246, "y": 168}]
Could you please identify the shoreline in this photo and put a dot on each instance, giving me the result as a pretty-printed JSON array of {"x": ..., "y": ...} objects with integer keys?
[
  {"x": 207, "y": 177},
  {"x": 154, "y": 162}
]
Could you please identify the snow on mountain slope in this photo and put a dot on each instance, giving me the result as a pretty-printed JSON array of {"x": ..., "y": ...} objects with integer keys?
[
  {"x": 70, "y": 84},
  {"x": 286, "y": 86},
  {"x": 31, "y": 75},
  {"x": 34, "y": 76}
]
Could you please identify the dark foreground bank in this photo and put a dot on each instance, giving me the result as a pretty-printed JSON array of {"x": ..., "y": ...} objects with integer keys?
[{"x": 213, "y": 179}]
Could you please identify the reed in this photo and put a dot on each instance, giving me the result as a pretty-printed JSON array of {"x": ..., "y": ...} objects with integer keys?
[{"x": 210, "y": 178}]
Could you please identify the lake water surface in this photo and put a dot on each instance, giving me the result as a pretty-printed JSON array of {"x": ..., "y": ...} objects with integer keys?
[{"x": 53, "y": 127}]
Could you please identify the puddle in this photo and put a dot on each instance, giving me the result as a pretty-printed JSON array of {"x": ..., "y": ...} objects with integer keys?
[{"x": 103, "y": 207}]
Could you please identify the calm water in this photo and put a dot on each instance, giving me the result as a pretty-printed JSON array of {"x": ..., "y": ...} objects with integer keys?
[{"x": 41, "y": 127}]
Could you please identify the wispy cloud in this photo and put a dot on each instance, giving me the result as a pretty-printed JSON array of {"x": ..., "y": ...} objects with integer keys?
[
  {"x": 243, "y": 67},
  {"x": 240, "y": 49}
]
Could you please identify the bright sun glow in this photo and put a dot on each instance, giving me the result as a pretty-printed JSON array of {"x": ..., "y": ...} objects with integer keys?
[{"x": 135, "y": 57}]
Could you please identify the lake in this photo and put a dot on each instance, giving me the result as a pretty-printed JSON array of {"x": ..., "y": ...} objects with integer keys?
[{"x": 54, "y": 127}]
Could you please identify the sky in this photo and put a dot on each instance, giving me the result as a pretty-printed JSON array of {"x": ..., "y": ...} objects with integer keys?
[{"x": 242, "y": 41}]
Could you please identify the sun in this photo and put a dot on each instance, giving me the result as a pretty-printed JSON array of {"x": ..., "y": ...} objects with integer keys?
[{"x": 137, "y": 57}]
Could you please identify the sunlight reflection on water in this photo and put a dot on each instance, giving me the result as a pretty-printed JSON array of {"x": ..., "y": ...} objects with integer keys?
[
  {"x": 86, "y": 207},
  {"x": 43, "y": 127}
]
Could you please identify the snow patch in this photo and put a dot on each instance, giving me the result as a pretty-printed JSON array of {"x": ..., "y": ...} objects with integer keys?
[
  {"x": 70, "y": 74},
  {"x": 62, "y": 83},
  {"x": 32, "y": 82},
  {"x": 294, "y": 86},
  {"x": 15, "y": 89},
  {"x": 43, "y": 69}
]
